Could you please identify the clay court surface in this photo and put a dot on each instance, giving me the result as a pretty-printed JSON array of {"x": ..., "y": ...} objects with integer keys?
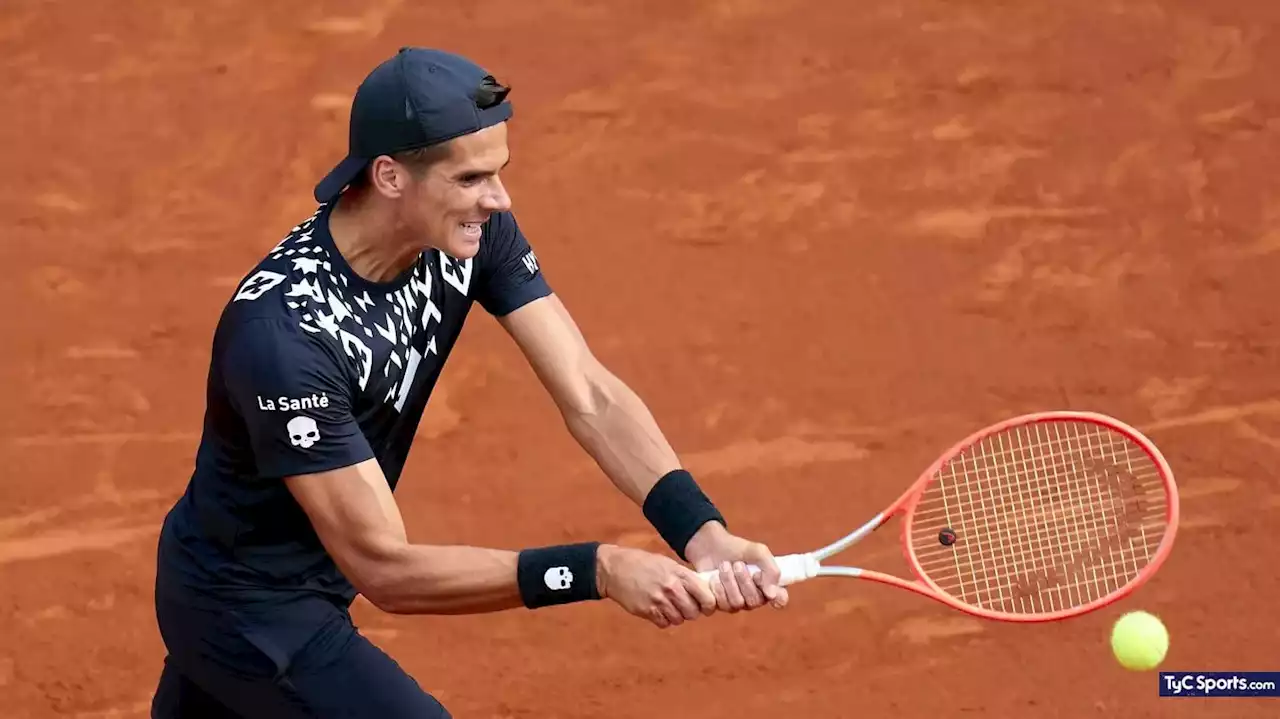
[{"x": 823, "y": 241}]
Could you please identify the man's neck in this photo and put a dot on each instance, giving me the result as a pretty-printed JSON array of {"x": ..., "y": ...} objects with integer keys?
[{"x": 370, "y": 239}]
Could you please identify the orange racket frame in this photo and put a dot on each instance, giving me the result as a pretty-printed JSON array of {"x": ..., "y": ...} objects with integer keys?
[{"x": 801, "y": 567}]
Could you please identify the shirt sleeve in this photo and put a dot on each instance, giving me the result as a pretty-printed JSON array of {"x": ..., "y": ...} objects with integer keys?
[
  {"x": 510, "y": 276},
  {"x": 295, "y": 398}
]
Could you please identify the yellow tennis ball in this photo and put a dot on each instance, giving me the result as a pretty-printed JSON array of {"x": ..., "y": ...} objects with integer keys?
[{"x": 1139, "y": 641}]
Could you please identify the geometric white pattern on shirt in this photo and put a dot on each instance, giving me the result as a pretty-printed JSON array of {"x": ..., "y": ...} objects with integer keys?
[{"x": 365, "y": 326}]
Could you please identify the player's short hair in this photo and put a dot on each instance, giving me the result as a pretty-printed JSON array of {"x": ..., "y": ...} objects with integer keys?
[{"x": 490, "y": 93}]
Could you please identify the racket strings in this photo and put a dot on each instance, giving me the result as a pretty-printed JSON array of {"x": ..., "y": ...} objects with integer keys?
[{"x": 1048, "y": 516}]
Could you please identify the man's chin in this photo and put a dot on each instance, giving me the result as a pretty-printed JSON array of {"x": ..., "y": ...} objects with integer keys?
[{"x": 462, "y": 247}]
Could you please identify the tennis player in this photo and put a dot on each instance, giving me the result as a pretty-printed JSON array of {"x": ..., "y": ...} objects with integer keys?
[{"x": 322, "y": 364}]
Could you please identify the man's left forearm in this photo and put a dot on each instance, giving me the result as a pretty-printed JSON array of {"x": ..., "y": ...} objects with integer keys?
[{"x": 619, "y": 432}]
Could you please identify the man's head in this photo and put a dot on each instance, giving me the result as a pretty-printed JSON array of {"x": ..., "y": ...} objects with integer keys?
[{"x": 428, "y": 137}]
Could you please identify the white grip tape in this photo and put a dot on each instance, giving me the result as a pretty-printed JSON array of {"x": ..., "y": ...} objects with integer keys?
[{"x": 795, "y": 568}]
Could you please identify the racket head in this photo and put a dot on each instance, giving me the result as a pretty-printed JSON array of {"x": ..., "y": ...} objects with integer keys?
[{"x": 1054, "y": 515}]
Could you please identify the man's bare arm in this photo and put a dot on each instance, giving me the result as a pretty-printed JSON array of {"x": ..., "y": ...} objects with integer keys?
[
  {"x": 615, "y": 427},
  {"x": 356, "y": 518},
  {"x": 603, "y": 414}
]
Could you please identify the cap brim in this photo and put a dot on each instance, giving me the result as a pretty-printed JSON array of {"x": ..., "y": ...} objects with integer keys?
[{"x": 338, "y": 178}]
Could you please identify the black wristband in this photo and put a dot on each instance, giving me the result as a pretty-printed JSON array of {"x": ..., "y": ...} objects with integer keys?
[
  {"x": 677, "y": 508},
  {"x": 558, "y": 574}
]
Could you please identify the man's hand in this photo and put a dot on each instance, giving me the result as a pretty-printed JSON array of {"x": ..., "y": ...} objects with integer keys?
[
  {"x": 713, "y": 547},
  {"x": 652, "y": 586}
]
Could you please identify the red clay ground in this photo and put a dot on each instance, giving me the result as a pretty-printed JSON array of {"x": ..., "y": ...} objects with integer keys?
[{"x": 822, "y": 242}]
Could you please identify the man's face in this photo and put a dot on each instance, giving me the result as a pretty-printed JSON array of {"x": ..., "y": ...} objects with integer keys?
[{"x": 449, "y": 202}]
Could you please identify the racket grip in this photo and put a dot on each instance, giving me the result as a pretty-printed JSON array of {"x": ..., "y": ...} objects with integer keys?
[{"x": 795, "y": 568}]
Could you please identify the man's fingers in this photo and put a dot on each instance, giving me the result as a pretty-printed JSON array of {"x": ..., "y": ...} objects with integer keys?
[
  {"x": 747, "y": 584},
  {"x": 664, "y": 615},
  {"x": 733, "y": 592},
  {"x": 658, "y": 617},
  {"x": 674, "y": 617},
  {"x": 680, "y": 597},
  {"x": 702, "y": 592},
  {"x": 770, "y": 577},
  {"x": 722, "y": 597}
]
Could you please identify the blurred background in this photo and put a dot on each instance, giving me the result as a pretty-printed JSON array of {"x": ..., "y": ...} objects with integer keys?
[{"x": 823, "y": 241}]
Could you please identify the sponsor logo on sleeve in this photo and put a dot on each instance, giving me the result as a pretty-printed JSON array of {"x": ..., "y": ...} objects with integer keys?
[
  {"x": 303, "y": 432},
  {"x": 292, "y": 404}
]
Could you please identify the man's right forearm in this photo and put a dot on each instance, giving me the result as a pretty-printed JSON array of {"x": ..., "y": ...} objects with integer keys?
[
  {"x": 355, "y": 516},
  {"x": 448, "y": 579}
]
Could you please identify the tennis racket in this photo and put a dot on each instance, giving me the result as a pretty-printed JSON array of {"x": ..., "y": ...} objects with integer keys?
[{"x": 1040, "y": 517}]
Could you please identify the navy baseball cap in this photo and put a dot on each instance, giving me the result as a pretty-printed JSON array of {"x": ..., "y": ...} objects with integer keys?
[{"x": 418, "y": 97}]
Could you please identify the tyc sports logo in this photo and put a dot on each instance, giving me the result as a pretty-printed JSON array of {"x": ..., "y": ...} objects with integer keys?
[{"x": 1219, "y": 684}]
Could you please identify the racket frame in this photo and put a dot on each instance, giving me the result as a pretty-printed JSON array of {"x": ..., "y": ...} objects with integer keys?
[{"x": 801, "y": 567}]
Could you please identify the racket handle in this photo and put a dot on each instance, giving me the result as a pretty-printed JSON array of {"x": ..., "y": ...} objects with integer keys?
[{"x": 795, "y": 568}]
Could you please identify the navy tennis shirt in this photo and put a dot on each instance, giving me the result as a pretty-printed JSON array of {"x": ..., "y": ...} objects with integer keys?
[{"x": 314, "y": 368}]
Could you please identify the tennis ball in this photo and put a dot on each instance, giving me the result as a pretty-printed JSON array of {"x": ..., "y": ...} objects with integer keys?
[{"x": 1139, "y": 641}]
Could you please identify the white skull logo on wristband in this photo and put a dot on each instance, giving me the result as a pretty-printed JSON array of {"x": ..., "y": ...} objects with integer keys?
[{"x": 557, "y": 578}]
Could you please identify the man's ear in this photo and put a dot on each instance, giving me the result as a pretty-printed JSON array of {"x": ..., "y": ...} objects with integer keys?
[{"x": 388, "y": 177}]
